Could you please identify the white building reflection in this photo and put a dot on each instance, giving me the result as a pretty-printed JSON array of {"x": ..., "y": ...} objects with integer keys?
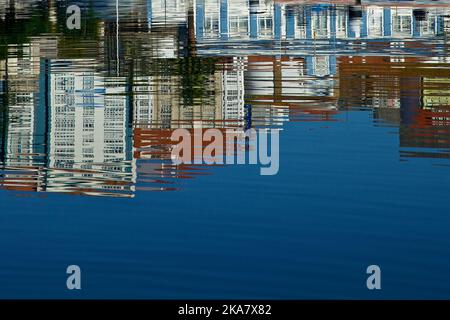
[{"x": 88, "y": 141}]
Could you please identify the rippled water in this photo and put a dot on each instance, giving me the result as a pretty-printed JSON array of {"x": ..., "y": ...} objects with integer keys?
[{"x": 359, "y": 94}]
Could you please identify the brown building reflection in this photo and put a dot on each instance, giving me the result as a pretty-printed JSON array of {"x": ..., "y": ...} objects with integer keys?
[
  {"x": 406, "y": 92},
  {"x": 280, "y": 89}
]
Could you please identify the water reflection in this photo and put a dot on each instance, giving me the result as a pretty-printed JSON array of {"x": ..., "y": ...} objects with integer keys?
[{"x": 91, "y": 111}]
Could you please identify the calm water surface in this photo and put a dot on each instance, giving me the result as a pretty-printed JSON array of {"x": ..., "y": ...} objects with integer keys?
[{"x": 360, "y": 96}]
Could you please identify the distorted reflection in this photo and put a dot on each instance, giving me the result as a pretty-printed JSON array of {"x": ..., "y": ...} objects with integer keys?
[{"x": 91, "y": 111}]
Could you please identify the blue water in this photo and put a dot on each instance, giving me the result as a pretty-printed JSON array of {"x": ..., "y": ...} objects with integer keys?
[{"x": 342, "y": 201}]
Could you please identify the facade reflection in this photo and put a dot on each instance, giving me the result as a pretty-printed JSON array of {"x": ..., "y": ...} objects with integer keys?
[{"x": 93, "y": 113}]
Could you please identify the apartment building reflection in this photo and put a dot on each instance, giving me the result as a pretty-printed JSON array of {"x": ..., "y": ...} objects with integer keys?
[
  {"x": 160, "y": 107},
  {"x": 266, "y": 20},
  {"x": 403, "y": 92},
  {"x": 424, "y": 132},
  {"x": 280, "y": 89},
  {"x": 23, "y": 128},
  {"x": 89, "y": 146},
  {"x": 99, "y": 121}
]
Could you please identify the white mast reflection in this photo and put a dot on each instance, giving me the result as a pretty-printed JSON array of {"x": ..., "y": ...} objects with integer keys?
[{"x": 117, "y": 37}]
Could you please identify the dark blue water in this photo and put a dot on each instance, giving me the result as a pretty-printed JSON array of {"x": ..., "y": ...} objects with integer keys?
[
  {"x": 361, "y": 182},
  {"x": 343, "y": 200}
]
